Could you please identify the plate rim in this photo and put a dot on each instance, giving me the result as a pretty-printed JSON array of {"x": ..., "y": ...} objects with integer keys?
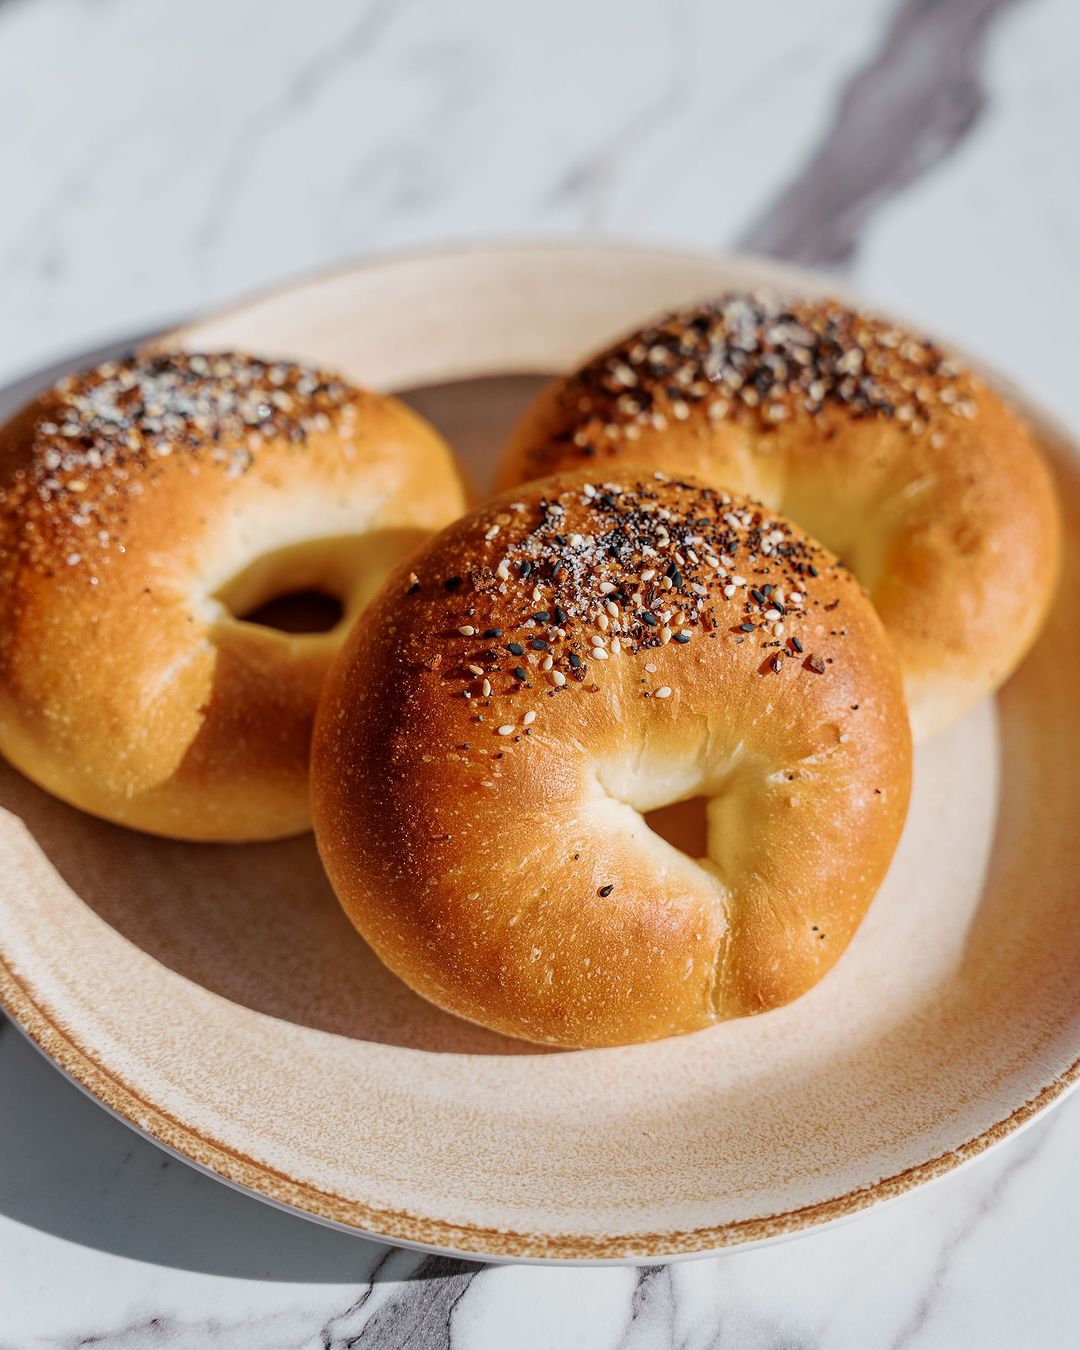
[
  {"x": 45, "y": 1031},
  {"x": 439, "y": 1237}
]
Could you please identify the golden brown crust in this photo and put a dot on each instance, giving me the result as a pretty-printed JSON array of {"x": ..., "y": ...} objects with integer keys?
[
  {"x": 132, "y": 498},
  {"x": 911, "y": 468},
  {"x": 561, "y": 659}
]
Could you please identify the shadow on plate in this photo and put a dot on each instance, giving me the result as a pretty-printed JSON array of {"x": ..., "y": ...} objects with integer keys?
[{"x": 258, "y": 923}]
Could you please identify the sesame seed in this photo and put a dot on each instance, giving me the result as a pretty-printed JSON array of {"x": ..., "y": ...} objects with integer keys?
[
  {"x": 605, "y": 590},
  {"x": 529, "y": 718},
  {"x": 466, "y": 630},
  {"x": 663, "y": 692},
  {"x": 506, "y": 730}
]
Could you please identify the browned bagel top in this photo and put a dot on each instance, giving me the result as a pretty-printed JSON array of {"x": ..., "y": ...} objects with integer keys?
[
  {"x": 905, "y": 463},
  {"x": 565, "y": 657}
]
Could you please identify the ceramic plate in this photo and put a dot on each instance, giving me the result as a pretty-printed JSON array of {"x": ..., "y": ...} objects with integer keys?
[{"x": 216, "y": 998}]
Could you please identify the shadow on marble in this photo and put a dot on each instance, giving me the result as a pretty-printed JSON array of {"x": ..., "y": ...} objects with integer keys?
[{"x": 69, "y": 1168}]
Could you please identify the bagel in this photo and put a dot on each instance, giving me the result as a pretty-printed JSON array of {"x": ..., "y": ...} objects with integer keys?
[
  {"x": 554, "y": 665},
  {"x": 908, "y": 466},
  {"x": 146, "y": 508}
]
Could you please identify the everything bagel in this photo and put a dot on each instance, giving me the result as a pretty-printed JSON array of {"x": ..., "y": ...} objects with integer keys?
[
  {"x": 146, "y": 508},
  {"x": 909, "y": 467},
  {"x": 552, "y": 666}
]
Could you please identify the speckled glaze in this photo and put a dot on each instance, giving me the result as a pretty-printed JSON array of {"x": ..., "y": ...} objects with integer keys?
[{"x": 217, "y": 998}]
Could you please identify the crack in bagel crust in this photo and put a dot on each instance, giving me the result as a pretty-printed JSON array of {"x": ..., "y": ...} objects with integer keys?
[
  {"x": 135, "y": 499},
  {"x": 903, "y": 462},
  {"x": 558, "y": 662}
]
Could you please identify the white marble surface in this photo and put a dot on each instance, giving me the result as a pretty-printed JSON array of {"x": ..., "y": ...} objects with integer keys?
[{"x": 160, "y": 159}]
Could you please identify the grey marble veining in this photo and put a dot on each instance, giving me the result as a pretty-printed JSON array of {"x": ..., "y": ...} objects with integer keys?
[
  {"x": 143, "y": 1251},
  {"x": 897, "y": 117},
  {"x": 153, "y": 168}
]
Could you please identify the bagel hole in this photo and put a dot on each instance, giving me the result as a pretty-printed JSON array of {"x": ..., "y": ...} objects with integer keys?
[
  {"x": 314, "y": 586},
  {"x": 304, "y": 611},
  {"x": 684, "y": 825}
]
